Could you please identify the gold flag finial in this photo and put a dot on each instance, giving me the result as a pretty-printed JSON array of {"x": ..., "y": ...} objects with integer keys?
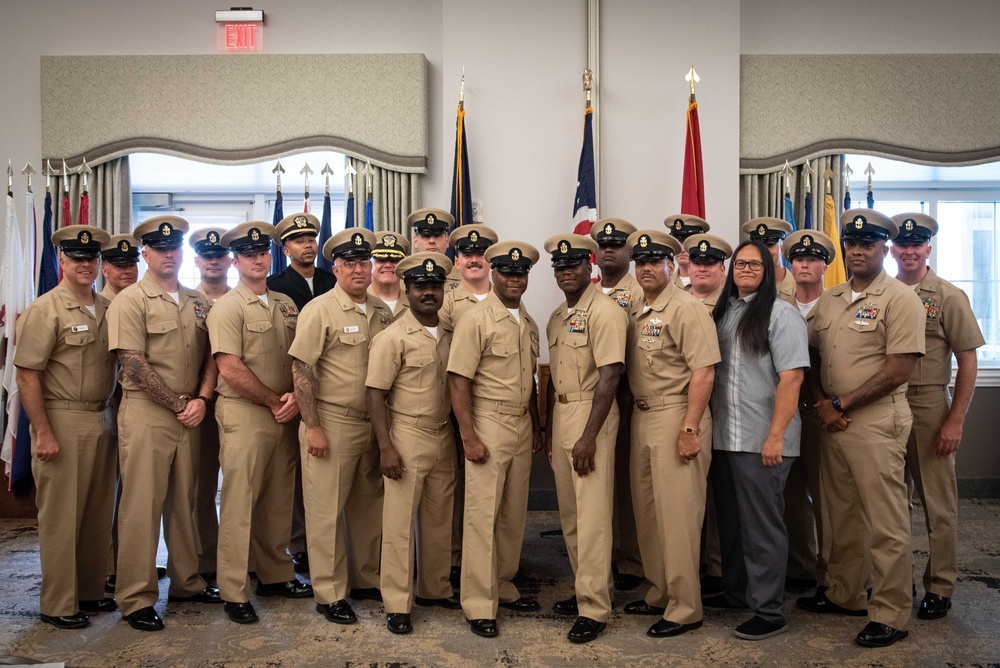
[
  {"x": 588, "y": 84},
  {"x": 692, "y": 78}
]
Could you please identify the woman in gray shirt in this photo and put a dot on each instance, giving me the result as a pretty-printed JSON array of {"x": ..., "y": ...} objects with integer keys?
[{"x": 755, "y": 438}]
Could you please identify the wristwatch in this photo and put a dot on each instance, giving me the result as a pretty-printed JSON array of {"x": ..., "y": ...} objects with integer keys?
[
  {"x": 689, "y": 430},
  {"x": 836, "y": 404}
]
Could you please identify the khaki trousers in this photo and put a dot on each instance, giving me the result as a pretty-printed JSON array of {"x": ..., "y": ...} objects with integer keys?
[
  {"x": 416, "y": 515},
  {"x": 625, "y": 543},
  {"x": 863, "y": 479},
  {"x": 158, "y": 459},
  {"x": 257, "y": 456},
  {"x": 458, "y": 504},
  {"x": 75, "y": 498},
  {"x": 343, "y": 503},
  {"x": 206, "y": 513},
  {"x": 585, "y": 505},
  {"x": 496, "y": 506},
  {"x": 669, "y": 501},
  {"x": 934, "y": 478},
  {"x": 805, "y": 513}
]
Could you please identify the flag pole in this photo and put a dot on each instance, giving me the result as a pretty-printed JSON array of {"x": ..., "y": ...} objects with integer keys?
[
  {"x": 278, "y": 171},
  {"x": 28, "y": 171}
]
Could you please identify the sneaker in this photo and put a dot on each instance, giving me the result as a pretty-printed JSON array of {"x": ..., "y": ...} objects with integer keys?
[{"x": 758, "y": 628}]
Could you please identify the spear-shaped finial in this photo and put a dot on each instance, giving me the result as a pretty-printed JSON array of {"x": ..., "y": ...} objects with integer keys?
[
  {"x": 65, "y": 178},
  {"x": 588, "y": 84},
  {"x": 828, "y": 175},
  {"x": 85, "y": 170},
  {"x": 48, "y": 176},
  {"x": 808, "y": 171},
  {"x": 847, "y": 177},
  {"x": 306, "y": 171},
  {"x": 350, "y": 173},
  {"x": 278, "y": 171},
  {"x": 787, "y": 172},
  {"x": 367, "y": 169},
  {"x": 692, "y": 78},
  {"x": 28, "y": 171},
  {"x": 327, "y": 172},
  {"x": 870, "y": 171},
  {"x": 10, "y": 179},
  {"x": 461, "y": 91}
]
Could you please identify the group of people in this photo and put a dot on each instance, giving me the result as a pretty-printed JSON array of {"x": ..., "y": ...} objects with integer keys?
[{"x": 375, "y": 427}]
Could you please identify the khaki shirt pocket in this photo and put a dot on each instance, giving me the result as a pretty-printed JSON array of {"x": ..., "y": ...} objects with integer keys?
[
  {"x": 258, "y": 337},
  {"x": 77, "y": 343},
  {"x": 356, "y": 351},
  {"x": 649, "y": 347},
  {"x": 863, "y": 325},
  {"x": 503, "y": 349},
  {"x": 163, "y": 338}
]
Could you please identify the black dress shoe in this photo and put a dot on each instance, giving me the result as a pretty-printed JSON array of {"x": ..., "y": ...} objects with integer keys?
[
  {"x": 585, "y": 629},
  {"x": 338, "y": 612},
  {"x": 291, "y": 589},
  {"x": 932, "y": 607},
  {"x": 665, "y": 629},
  {"x": 456, "y": 577},
  {"x": 643, "y": 608},
  {"x": 109, "y": 585},
  {"x": 450, "y": 603},
  {"x": 161, "y": 572},
  {"x": 75, "y": 621},
  {"x": 398, "y": 623},
  {"x": 626, "y": 582},
  {"x": 523, "y": 604},
  {"x": 821, "y": 604},
  {"x": 300, "y": 561},
  {"x": 567, "y": 607},
  {"x": 241, "y": 613},
  {"x": 366, "y": 594},
  {"x": 206, "y": 595},
  {"x": 101, "y": 605},
  {"x": 145, "y": 620},
  {"x": 486, "y": 628},
  {"x": 879, "y": 635}
]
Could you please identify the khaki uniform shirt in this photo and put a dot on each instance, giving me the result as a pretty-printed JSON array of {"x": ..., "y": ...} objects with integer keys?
[
  {"x": 173, "y": 337},
  {"x": 950, "y": 325},
  {"x": 667, "y": 342},
  {"x": 402, "y": 304},
  {"x": 854, "y": 336},
  {"x": 710, "y": 300},
  {"x": 627, "y": 293},
  {"x": 457, "y": 303},
  {"x": 452, "y": 280},
  {"x": 590, "y": 335},
  {"x": 240, "y": 324},
  {"x": 495, "y": 352},
  {"x": 58, "y": 336},
  {"x": 201, "y": 288},
  {"x": 108, "y": 293},
  {"x": 786, "y": 288},
  {"x": 333, "y": 336},
  {"x": 408, "y": 362}
]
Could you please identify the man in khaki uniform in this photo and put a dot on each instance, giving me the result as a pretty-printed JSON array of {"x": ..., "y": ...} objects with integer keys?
[
  {"x": 613, "y": 258},
  {"x": 212, "y": 260},
  {"x": 672, "y": 354},
  {"x": 409, "y": 404},
  {"x": 119, "y": 264},
  {"x": 157, "y": 327},
  {"x": 770, "y": 232},
  {"x": 251, "y": 330},
  {"x": 492, "y": 375},
  {"x": 707, "y": 255},
  {"x": 866, "y": 335},
  {"x": 341, "y": 482},
  {"x": 66, "y": 376},
  {"x": 389, "y": 249},
  {"x": 809, "y": 252},
  {"x": 681, "y": 226},
  {"x": 430, "y": 230},
  {"x": 937, "y": 418},
  {"x": 586, "y": 335}
]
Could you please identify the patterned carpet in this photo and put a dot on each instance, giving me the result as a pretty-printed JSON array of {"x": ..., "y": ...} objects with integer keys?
[{"x": 291, "y": 633}]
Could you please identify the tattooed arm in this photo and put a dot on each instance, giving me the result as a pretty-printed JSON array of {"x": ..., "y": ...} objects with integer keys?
[
  {"x": 894, "y": 372},
  {"x": 135, "y": 367},
  {"x": 305, "y": 396}
]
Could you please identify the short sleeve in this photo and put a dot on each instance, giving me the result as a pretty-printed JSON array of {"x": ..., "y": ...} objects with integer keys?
[
  {"x": 225, "y": 327},
  {"x": 696, "y": 336},
  {"x": 385, "y": 359},
  {"x": 466, "y": 346},
  {"x": 788, "y": 338},
  {"x": 905, "y": 324},
  {"x": 33, "y": 352},
  {"x": 960, "y": 325},
  {"x": 608, "y": 333},
  {"x": 127, "y": 322},
  {"x": 311, "y": 333}
]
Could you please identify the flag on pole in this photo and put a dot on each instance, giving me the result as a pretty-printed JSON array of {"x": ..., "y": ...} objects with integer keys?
[
  {"x": 837, "y": 272},
  {"x": 585, "y": 200},
  {"x": 278, "y": 262},
  {"x": 871, "y": 199},
  {"x": 789, "y": 211},
  {"x": 370, "y": 213},
  {"x": 349, "y": 219},
  {"x": 693, "y": 188},
  {"x": 807, "y": 222},
  {"x": 325, "y": 232},
  {"x": 461, "y": 185},
  {"x": 48, "y": 271},
  {"x": 847, "y": 200},
  {"x": 13, "y": 304},
  {"x": 83, "y": 217}
]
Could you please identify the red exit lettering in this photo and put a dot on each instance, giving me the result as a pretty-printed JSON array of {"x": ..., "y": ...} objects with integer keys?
[{"x": 241, "y": 36}]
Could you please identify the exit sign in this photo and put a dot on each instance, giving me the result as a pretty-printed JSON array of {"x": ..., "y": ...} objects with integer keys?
[{"x": 240, "y": 36}]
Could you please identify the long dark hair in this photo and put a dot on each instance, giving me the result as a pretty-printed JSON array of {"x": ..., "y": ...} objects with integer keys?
[{"x": 751, "y": 333}]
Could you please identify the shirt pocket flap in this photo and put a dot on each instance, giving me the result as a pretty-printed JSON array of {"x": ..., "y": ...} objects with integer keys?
[
  {"x": 576, "y": 341},
  {"x": 820, "y": 325},
  {"x": 863, "y": 325},
  {"x": 650, "y": 343},
  {"x": 79, "y": 338},
  {"x": 258, "y": 325},
  {"x": 503, "y": 349},
  {"x": 353, "y": 339},
  {"x": 161, "y": 326},
  {"x": 418, "y": 360}
]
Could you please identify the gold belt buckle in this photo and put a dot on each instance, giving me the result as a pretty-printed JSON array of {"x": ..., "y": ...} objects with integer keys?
[
  {"x": 563, "y": 399},
  {"x": 642, "y": 405}
]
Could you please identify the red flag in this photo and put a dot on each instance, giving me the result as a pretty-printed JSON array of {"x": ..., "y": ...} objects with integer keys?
[
  {"x": 693, "y": 189},
  {"x": 83, "y": 218},
  {"x": 67, "y": 214}
]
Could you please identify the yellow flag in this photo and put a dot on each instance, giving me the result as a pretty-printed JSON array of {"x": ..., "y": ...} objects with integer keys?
[{"x": 836, "y": 272}]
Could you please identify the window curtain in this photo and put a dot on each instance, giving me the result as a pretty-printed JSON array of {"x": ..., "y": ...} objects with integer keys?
[
  {"x": 110, "y": 196},
  {"x": 763, "y": 194},
  {"x": 394, "y": 194}
]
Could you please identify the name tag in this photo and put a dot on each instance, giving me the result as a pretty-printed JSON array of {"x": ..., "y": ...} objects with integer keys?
[
  {"x": 79, "y": 328},
  {"x": 351, "y": 329}
]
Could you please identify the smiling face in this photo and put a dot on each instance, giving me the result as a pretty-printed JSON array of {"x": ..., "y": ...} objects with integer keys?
[
  {"x": 81, "y": 272},
  {"x": 425, "y": 297},
  {"x": 748, "y": 270},
  {"x": 911, "y": 256},
  {"x": 384, "y": 272},
  {"x": 707, "y": 278},
  {"x": 509, "y": 287},
  {"x": 573, "y": 279},
  {"x": 472, "y": 266}
]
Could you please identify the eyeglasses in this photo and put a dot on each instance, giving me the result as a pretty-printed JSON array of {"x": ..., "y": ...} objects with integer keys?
[
  {"x": 351, "y": 265},
  {"x": 752, "y": 265}
]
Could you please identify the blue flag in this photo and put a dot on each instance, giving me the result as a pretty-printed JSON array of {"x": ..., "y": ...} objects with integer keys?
[
  {"x": 807, "y": 224},
  {"x": 585, "y": 200},
  {"x": 461, "y": 186},
  {"x": 789, "y": 212},
  {"x": 350, "y": 211},
  {"x": 871, "y": 200},
  {"x": 48, "y": 271},
  {"x": 370, "y": 214},
  {"x": 278, "y": 261},
  {"x": 325, "y": 232},
  {"x": 847, "y": 200}
]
